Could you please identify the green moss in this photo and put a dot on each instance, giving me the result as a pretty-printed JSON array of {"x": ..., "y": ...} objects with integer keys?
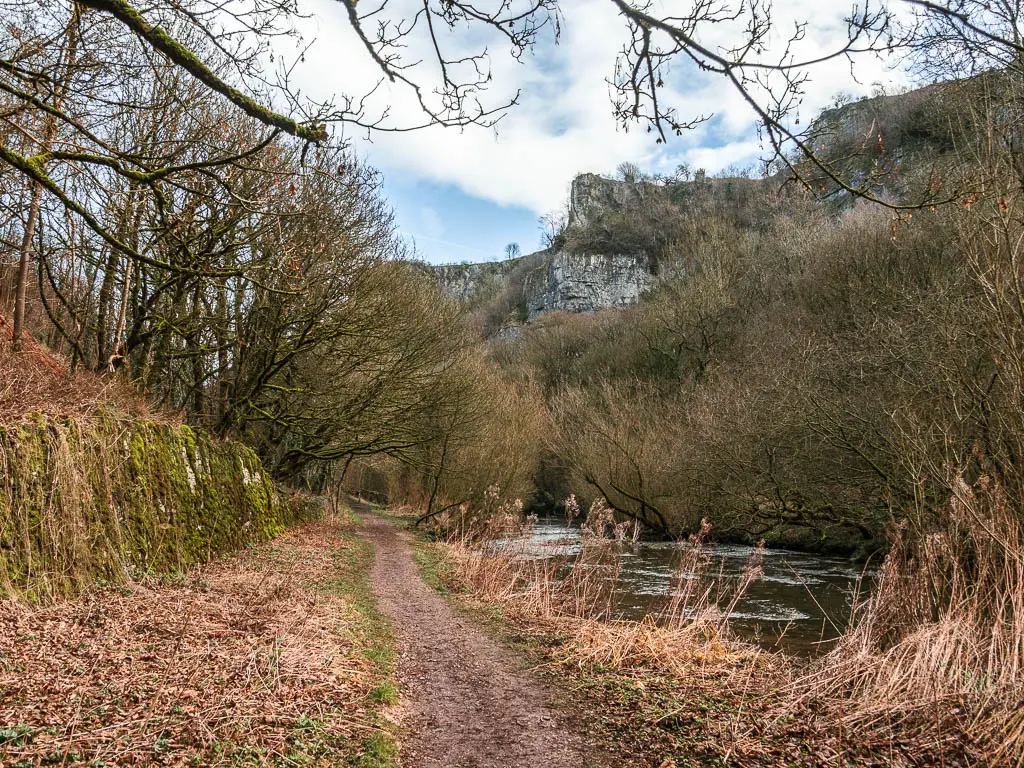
[{"x": 110, "y": 496}]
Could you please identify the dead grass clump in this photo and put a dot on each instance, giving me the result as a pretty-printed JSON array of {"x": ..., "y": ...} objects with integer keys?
[
  {"x": 36, "y": 380},
  {"x": 600, "y": 522},
  {"x": 937, "y": 649},
  {"x": 649, "y": 645},
  {"x": 249, "y": 661},
  {"x": 494, "y": 555}
]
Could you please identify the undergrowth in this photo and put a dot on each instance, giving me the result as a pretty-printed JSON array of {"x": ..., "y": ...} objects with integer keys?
[
  {"x": 37, "y": 380},
  {"x": 492, "y": 558},
  {"x": 936, "y": 651}
]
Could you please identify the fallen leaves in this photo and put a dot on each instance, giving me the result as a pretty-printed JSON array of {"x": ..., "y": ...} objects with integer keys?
[{"x": 249, "y": 661}]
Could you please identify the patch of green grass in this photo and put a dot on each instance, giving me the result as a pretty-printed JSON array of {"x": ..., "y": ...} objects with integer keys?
[
  {"x": 386, "y": 693},
  {"x": 379, "y": 751},
  {"x": 238, "y": 755},
  {"x": 309, "y": 744},
  {"x": 406, "y": 521},
  {"x": 433, "y": 567},
  {"x": 374, "y": 638},
  {"x": 354, "y": 563},
  {"x": 306, "y": 723}
]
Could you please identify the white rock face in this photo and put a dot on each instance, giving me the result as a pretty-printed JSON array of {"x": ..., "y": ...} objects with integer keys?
[
  {"x": 587, "y": 283},
  {"x": 554, "y": 281},
  {"x": 465, "y": 282}
]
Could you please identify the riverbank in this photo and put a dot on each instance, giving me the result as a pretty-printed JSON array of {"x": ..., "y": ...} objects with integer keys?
[
  {"x": 275, "y": 656},
  {"x": 799, "y": 604},
  {"x": 690, "y": 694}
]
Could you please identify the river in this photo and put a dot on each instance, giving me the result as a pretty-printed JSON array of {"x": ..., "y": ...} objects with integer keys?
[{"x": 800, "y": 603}]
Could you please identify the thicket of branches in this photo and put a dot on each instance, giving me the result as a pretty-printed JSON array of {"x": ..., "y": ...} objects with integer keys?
[
  {"x": 172, "y": 210},
  {"x": 239, "y": 266},
  {"x": 776, "y": 384},
  {"x": 811, "y": 369}
]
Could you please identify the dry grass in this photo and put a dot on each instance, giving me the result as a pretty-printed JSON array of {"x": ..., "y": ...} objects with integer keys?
[
  {"x": 36, "y": 380},
  {"x": 929, "y": 673},
  {"x": 678, "y": 683},
  {"x": 574, "y": 597},
  {"x": 249, "y": 661},
  {"x": 937, "y": 649}
]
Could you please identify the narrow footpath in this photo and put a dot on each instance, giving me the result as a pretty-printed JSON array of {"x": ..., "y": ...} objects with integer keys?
[{"x": 470, "y": 706}]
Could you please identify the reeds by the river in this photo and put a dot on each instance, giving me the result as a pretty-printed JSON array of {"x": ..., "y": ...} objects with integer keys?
[
  {"x": 938, "y": 644},
  {"x": 495, "y": 559}
]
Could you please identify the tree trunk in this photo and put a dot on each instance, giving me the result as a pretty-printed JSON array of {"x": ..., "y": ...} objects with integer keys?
[
  {"x": 21, "y": 286},
  {"x": 122, "y": 316}
]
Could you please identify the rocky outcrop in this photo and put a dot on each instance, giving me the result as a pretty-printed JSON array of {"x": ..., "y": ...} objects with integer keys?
[
  {"x": 552, "y": 281},
  {"x": 867, "y": 141},
  {"x": 587, "y": 283},
  {"x": 468, "y": 282},
  {"x": 893, "y": 147},
  {"x": 592, "y": 196},
  {"x": 556, "y": 279}
]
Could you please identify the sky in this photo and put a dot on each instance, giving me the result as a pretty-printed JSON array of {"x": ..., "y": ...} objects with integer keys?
[{"x": 464, "y": 194}]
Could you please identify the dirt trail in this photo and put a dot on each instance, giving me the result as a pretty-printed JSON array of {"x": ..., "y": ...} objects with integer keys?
[{"x": 470, "y": 705}]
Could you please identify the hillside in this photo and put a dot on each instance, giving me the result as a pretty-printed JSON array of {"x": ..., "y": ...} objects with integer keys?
[
  {"x": 557, "y": 279},
  {"x": 163, "y": 600},
  {"x": 621, "y": 237},
  {"x": 704, "y": 346},
  {"x": 98, "y": 487}
]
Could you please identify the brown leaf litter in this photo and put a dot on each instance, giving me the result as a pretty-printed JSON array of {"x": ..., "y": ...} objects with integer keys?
[{"x": 250, "y": 660}]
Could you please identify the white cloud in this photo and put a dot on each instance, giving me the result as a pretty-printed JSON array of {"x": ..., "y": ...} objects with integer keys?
[
  {"x": 563, "y": 124},
  {"x": 717, "y": 158}
]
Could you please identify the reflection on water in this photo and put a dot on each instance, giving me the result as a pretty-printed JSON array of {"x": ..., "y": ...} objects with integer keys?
[{"x": 800, "y": 601}]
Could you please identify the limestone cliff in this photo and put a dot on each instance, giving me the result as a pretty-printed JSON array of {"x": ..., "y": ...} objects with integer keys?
[
  {"x": 587, "y": 283},
  {"x": 467, "y": 282},
  {"x": 592, "y": 196},
  {"x": 617, "y": 232},
  {"x": 558, "y": 279}
]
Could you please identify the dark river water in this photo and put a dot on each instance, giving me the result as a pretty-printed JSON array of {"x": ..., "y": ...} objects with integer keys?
[{"x": 801, "y": 601}]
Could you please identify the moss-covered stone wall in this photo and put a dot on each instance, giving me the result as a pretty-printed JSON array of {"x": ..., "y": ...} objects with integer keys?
[{"x": 110, "y": 498}]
